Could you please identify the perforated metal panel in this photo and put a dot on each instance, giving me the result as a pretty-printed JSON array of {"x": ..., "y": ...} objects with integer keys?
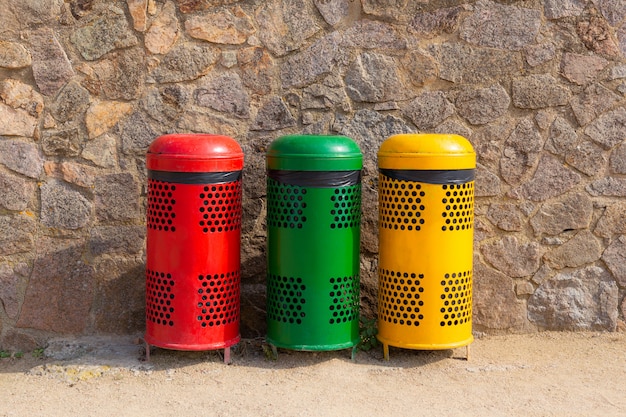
[
  {"x": 456, "y": 298},
  {"x": 401, "y": 206},
  {"x": 286, "y": 299},
  {"x": 286, "y": 205},
  {"x": 220, "y": 207},
  {"x": 458, "y": 205},
  {"x": 400, "y": 297},
  {"x": 159, "y": 298},
  {"x": 218, "y": 299},
  {"x": 161, "y": 213},
  {"x": 344, "y": 299},
  {"x": 346, "y": 203}
]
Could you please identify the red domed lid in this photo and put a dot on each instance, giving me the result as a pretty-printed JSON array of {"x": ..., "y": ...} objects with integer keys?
[{"x": 194, "y": 152}]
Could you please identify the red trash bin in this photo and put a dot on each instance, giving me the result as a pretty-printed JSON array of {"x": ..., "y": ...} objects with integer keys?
[{"x": 193, "y": 242}]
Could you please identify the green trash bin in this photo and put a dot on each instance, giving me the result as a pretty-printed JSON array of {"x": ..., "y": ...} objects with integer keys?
[{"x": 313, "y": 239}]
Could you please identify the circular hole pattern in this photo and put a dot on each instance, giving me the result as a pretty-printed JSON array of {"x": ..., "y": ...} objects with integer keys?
[
  {"x": 458, "y": 203},
  {"x": 220, "y": 207},
  {"x": 346, "y": 211},
  {"x": 456, "y": 298},
  {"x": 344, "y": 299},
  {"x": 159, "y": 298},
  {"x": 217, "y": 299},
  {"x": 161, "y": 204},
  {"x": 400, "y": 297},
  {"x": 400, "y": 204},
  {"x": 286, "y": 205},
  {"x": 285, "y": 299}
]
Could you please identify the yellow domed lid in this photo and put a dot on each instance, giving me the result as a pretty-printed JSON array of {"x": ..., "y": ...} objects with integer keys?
[{"x": 426, "y": 151}]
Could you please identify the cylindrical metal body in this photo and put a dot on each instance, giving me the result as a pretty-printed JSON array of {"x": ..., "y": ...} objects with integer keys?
[
  {"x": 426, "y": 217},
  {"x": 193, "y": 242},
  {"x": 313, "y": 239}
]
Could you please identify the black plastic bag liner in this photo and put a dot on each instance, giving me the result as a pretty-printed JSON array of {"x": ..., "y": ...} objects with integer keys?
[
  {"x": 195, "y": 177},
  {"x": 458, "y": 176},
  {"x": 316, "y": 179}
]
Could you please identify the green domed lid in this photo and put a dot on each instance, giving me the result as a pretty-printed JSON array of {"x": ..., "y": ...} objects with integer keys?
[{"x": 314, "y": 153}]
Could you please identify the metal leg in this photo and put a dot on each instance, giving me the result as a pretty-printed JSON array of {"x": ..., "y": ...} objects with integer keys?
[
  {"x": 386, "y": 351},
  {"x": 353, "y": 357},
  {"x": 227, "y": 355},
  {"x": 147, "y": 352},
  {"x": 274, "y": 352},
  {"x": 467, "y": 352}
]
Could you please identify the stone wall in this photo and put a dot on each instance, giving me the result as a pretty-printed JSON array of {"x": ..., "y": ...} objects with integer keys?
[{"x": 537, "y": 86}]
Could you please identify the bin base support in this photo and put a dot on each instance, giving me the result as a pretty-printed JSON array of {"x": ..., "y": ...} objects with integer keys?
[
  {"x": 386, "y": 352},
  {"x": 227, "y": 358},
  {"x": 275, "y": 352},
  {"x": 227, "y": 355}
]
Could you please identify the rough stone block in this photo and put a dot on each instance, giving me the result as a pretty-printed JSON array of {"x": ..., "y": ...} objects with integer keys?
[
  {"x": 225, "y": 94},
  {"x": 17, "y": 192},
  {"x": 17, "y": 234},
  {"x": 572, "y": 211},
  {"x": 538, "y": 91},
  {"x": 551, "y": 179},
  {"x": 556, "y": 9},
  {"x": 257, "y": 69},
  {"x": 119, "y": 297},
  {"x": 505, "y": 216},
  {"x": 583, "y": 300},
  {"x": 230, "y": 27},
  {"x": 592, "y": 102},
  {"x": 14, "y": 55},
  {"x": 483, "y": 105},
  {"x": 185, "y": 62},
  {"x": 136, "y": 134},
  {"x": 374, "y": 78},
  {"x": 67, "y": 142},
  {"x": 617, "y": 161},
  {"x": 71, "y": 102},
  {"x": 495, "y": 303},
  {"x": 60, "y": 290},
  {"x": 119, "y": 76},
  {"x": 429, "y": 109},
  {"x": 120, "y": 240},
  {"x": 514, "y": 258},
  {"x": 103, "y": 32},
  {"x": 615, "y": 259},
  {"x": 501, "y": 26},
  {"x": 608, "y": 186},
  {"x": 164, "y": 30},
  {"x": 562, "y": 137},
  {"x": 587, "y": 157},
  {"x": 580, "y": 250},
  {"x": 21, "y": 157},
  {"x": 612, "y": 222},
  {"x": 284, "y": 25},
  {"x": 317, "y": 60},
  {"x": 116, "y": 197},
  {"x": 608, "y": 129},
  {"x": 333, "y": 11},
  {"x": 273, "y": 115},
  {"x": 521, "y": 152},
  {"x": 460, "y": 63},
  {"x": 62, "y": 207}
]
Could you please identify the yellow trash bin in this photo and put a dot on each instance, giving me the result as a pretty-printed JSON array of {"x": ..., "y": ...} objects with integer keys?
[{"x": 426, "y": 227}]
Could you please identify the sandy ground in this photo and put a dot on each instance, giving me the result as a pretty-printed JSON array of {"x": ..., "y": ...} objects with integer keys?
[{"x": 546, "y": 374}]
